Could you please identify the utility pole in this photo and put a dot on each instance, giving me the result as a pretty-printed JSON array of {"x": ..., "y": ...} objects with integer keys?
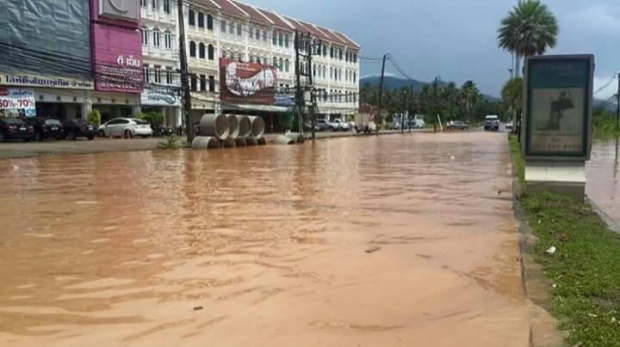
[
  {"x": 310, "y": 49},
  {"x": 402, "y": 120},
  {"x": 187, "y": 97},
  {"x": 618, "y": 103},
  {"x": 378, "y": 118},
  {"x": 410, "y": 105},
  {"x": 298, "y": 92}
]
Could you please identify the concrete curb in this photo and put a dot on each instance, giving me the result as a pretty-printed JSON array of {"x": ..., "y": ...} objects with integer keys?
[
  {"x": 543, "y": 332},
  {"x": 611, "y": 224}
]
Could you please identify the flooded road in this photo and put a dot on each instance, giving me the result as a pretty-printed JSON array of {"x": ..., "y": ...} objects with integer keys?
[
  {"x": 603, "y": 181},
  {"x": 265, "y": 246}
]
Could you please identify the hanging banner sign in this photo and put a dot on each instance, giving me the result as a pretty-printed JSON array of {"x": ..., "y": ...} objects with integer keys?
[{"x": 17, "y": 102}]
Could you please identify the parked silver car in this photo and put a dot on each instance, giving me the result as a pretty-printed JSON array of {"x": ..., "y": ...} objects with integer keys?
[{"x": 126, "y": 128}]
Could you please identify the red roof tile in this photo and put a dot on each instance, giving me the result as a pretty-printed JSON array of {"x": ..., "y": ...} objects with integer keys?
[
  {"x": 229, "y": 8},
  {"x": 255, "y": 15},
  {"x": 278, "y": 22},
  {"x": 347, "y": 40}
]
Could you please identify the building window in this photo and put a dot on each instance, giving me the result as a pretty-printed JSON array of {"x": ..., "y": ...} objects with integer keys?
[
  {"x": 143, "y": 3},
  {"x": 286, "y": 65},
  {"x": 201, "y": 50},
  {"x": 265, "y": 35},
  {"x": 223, "y": 26},
  {"x": 340, "y": 53},
  {"x": 192, "y": 49},
  {"x": 145, "y": 37},
  {"x": 331, "y": 52},
  {"x": 156, "y": 37},
  {"x": 203, "y": 83},
  {"x": 211, "y": 52},
  {"x": 192, "y": 18},
  {"x": 355, "y": 58},
  {"x": 231, "y": 28},
  {"x": 157, "y": 74},
  {"x": 280, "y": 40},
  {"x": 286, "y": 41},
  {"x": 209, "y": 22},
  {"x": 147, "y": 75},
  {"x": 168, "y": 75},
  {"x": 274, "y": 38},
  {"x": 155, "y": 4},
  {"x": 167, "y": 6},
  {"x": 223, "y": 55},
  {"x": 281, "y": 64},
  {"x": 194, "y": 83},
  {"x": 239, "y": 29},
  {"x": 212, "y": 84},
  {"x": 201, "y": 20},
  {"x": 251, "y": 32},
  {"x": 325, "y": 51},
  {"x": 167, "y": 40},
  {"x": 258, "y": 60}
]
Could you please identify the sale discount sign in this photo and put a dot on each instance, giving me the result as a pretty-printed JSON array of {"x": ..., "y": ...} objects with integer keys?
[{"x": 17, "y": 102}]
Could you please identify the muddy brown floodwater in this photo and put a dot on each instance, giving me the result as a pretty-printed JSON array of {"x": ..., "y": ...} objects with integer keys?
[
  {"x": 265, "y": 246},
  {"x": 603, "y": 177}
]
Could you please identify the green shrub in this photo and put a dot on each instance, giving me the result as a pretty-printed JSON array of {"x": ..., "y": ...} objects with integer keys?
[{"x": 94, "y": 116}]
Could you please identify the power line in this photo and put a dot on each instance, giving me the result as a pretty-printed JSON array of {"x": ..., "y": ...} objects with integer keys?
[{"x": 606, "y": 84}]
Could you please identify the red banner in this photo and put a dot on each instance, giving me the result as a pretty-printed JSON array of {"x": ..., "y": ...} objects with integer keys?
[{"x": 243, "y": 82}]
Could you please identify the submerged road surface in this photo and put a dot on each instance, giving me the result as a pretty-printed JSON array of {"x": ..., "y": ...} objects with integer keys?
[{"x": 265, "y": 246}]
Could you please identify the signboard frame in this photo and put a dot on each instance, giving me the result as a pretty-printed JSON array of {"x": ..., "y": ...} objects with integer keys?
[{"x": 583, "y": 154}]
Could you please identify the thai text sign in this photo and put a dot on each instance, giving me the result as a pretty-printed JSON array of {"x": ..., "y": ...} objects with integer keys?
[
  {"x": 28, "y": 80},
  {"x": 558, "y": 107},
  {"x": 247, "y": 82},
  {"x": 17, "y": 102}
]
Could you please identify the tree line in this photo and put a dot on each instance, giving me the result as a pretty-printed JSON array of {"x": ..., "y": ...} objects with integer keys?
[{"x": 447, "y": 100}]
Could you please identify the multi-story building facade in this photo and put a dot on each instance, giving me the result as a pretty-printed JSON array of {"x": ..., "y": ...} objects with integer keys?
[
  {"x": 238, "y": 31},
  {"x": 160, "y": 55}
]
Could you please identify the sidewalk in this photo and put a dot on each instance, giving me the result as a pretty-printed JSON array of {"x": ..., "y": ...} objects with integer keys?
[{"x": 101, "y": 145}]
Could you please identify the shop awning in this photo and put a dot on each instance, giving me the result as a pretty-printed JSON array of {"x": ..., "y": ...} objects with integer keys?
[{"x": 260, "y": 108}]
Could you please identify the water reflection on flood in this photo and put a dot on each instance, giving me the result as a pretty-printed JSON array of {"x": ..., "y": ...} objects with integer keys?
[
  {"x": 265, "y": 246},
  {"x": 602, "y": 177}
]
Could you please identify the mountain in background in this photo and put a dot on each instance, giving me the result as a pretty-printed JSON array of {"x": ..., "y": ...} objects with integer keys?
[{"x": 395, "y": 83}]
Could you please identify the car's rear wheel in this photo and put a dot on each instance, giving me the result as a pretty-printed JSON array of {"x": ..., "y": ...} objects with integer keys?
[
  {"x": 101, "y": 133},
  {"x": 2, "y": 137},
  {"x": 71, "y": 136},
  {"x": 90, "y": 138},
  {"x": 127, "y": 134}
]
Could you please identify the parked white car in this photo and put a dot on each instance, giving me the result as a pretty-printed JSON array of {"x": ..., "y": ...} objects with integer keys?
[
  {"x": 126, "y": 128},
  {"x": 342, "y": 125}
]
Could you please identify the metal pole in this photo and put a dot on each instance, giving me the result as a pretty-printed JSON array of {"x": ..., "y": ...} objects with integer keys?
[
  {"x": 402, "y": 119},
  {"x": 310, "y": 48},
  {"x": 187, "y": 96},
  {"x": 618, "y": 103},
  {"x": 378, "y": 118}
]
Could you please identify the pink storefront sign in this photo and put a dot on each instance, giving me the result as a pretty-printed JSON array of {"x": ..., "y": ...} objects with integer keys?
[{"x": 117, "y": 46}]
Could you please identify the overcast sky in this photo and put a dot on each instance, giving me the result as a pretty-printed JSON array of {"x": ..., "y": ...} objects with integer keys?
[{"x": 457, "y": 39}]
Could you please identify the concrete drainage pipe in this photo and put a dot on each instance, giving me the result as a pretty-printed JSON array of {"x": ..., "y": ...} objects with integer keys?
[
  {"x": 233, "y": 126},
  {"x": 214, "y": 125},
  {"x": 251, "y": 141},
  {"x": 240, "y": 142},
  {"x": 205, "y": 142},
  {"x": 261, "y": 141},
  {"x": 296, "y": 137},
  {"x": 229, "y": 143},
  {"x": 258, "y": 126},
  {"x": 245, "y": 126},
  {"x": 283, "y": 140}
]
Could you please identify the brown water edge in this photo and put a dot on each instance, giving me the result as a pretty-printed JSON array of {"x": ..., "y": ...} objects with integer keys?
[
  {"x": 265, "y": 246},
  {"x": 603, "y": 181}
]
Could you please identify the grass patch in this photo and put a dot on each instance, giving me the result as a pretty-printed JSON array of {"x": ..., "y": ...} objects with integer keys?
[{"x": 585, "y": 269}]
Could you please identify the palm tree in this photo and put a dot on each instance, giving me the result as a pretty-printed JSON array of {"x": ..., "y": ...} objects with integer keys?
[
  {"x": 512, "y": 96},
  {"x": 451, "y": 92},
  {"x": 469, "y": 98},
  {"x": 529, "y": 29}
]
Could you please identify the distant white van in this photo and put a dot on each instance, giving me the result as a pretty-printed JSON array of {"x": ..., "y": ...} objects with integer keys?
[{"x": 491, "y": 122}]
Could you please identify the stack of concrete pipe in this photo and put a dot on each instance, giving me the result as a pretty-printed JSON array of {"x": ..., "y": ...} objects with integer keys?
[{"x": 229, "y": 131}]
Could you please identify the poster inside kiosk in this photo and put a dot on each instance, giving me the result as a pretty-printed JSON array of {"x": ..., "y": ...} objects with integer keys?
[{"x": 16, "y": 102}]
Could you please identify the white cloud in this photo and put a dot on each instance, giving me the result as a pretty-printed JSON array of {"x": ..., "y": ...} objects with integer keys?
[{"x": 605, "y": 87}]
